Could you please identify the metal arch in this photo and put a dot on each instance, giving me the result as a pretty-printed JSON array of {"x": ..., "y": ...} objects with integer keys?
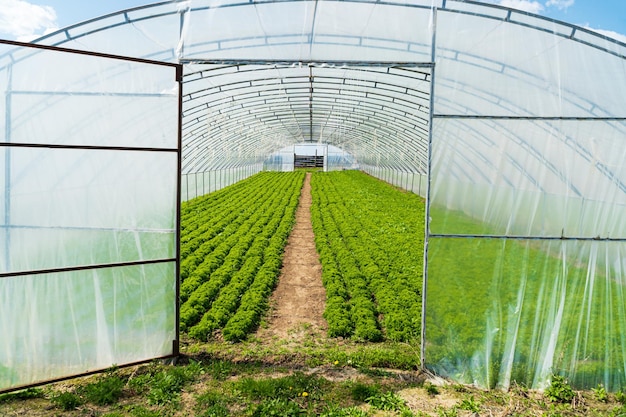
[
  {"x": 356, "y": 134},
  {"x": 245, "y": 99},
  {"x": 359, "y": 134},
  {"x": 365, "y": 108},
  {"x": 448, "y": 5},
  {"x": 325, "y": 111}
]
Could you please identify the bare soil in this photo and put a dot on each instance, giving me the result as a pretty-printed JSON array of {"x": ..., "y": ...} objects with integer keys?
[{"x": 298, "y": 301}]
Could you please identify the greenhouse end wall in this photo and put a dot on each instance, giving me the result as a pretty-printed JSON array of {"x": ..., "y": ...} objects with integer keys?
[{"x": 88, "y": 243}]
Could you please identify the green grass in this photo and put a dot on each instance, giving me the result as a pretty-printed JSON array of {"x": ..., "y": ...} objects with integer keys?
[{"x": 248, "y": 382}]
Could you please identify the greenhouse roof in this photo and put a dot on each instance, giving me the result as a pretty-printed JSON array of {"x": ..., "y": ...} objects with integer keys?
[{"x": 358, "y": 74}]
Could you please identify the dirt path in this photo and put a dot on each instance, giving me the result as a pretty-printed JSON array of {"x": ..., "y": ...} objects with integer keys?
[{"x": 299, "y": 299}]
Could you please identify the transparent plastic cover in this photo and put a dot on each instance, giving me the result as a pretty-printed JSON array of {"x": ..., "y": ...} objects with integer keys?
[{"x": 89, "y": 178}]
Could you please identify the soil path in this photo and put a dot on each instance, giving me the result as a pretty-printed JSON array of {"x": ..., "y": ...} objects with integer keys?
[{"x": 299, "y": 298}]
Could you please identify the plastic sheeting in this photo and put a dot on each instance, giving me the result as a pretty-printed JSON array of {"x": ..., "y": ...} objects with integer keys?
[
  {"x": 62, "y": 324},
  {"x": 526, "y": 206},
  {"x": 503, "y": 310},
  {"x": 522, "y": 164},
  {"x": 88, "y": 251}
]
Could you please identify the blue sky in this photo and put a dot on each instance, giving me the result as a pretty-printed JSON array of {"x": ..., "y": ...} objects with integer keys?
[{"x": 27, "y": 19}]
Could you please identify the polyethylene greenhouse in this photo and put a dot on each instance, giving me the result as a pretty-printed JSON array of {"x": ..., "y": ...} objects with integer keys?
[{"x": 513, "y": 122}]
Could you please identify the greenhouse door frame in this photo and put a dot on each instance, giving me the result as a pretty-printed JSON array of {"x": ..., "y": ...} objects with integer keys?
[
  {"x": 24, "y": 50},
  {"x": 365, "y": 64}
]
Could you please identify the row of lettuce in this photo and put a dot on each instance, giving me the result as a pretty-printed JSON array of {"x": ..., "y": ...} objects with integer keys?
[
  {"x": 369, "y": 237},
  {"x": 368, "y": 234},
  {"x": 232, "y": 243}
]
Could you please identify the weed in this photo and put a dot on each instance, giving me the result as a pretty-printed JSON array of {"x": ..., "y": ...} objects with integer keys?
[
  {"x": 141, "y": 383},
  {"x": 287, "y": 387},
  {"x": 337, "y": 411},
  {"x": 447, "y": 412},
  {"x": 470, "y": 404},
  {"x": 162, "y": 385},
  {"x": 67, "y": 401},
  {"x": 459, "y": 388},
  {"x": 361, "y": 392},
  {"x": 208, "y": 399},
  {"x": 220, "y": 370},
  {"x": 389, "y": 401},
  {"x": 216, "y": 410},
  {"x": 165, "y": 389},
  {"x": 106, "y": 391},
  {"x": 431, "y": 389},
  {"x": 620, "y": 397},
  {"x": 559, "y": 390},
  {"x": 211, "y": 404},
  {"x": 144, "y": 412},
  {"x": 618, "y": 412},
  {"x": 277, "y": 407},
  {"x": 600, "y": 393},
  {"x": 22, "y": 395},
  {"x": 167, "y": 384}
]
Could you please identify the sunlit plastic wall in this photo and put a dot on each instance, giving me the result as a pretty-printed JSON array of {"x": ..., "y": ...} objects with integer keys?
[
  {"x": 201, "y": 183},
  {"x": 415, "y": 182},
  {"x": 526, "y": 254},
  {"x": 88, "y": 237}
]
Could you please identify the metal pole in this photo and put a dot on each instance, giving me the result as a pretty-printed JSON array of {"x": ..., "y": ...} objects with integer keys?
[
  {"x": 179, "y": 80},
  {"x": 7, "y": 172},
  {"x": 427, "y": 216}
]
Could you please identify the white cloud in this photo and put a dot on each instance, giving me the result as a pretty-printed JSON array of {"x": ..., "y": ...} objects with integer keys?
[
  {"x": 24, "y": 21},
  {"x": 525, "y": 5},
  {"x": 560, "y": 4}
]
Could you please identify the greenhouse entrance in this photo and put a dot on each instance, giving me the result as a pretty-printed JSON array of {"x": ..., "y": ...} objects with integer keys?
[{"x": 308, "y": 161}]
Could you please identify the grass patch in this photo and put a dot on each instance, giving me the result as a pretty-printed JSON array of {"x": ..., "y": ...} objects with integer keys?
[{"x": 107, "y": 390}]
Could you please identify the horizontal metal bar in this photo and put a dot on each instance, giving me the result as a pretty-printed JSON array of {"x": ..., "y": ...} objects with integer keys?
[
  {"x": 86, "y": 93},
  {"x": 89, "y": 53},
  {"x": 84, "y": 268},
  {"x": 548, "y": 118},
  {"x": 517, "y": 237},
  {"x": 99, "y": 229},
  {"x": 85, "y": 147},
  {"x": 309, "y": 63},
  {"x": 95, "y": 371}
]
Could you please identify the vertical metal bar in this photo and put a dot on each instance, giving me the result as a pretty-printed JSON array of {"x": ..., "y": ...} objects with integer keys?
[
  {"x": 311, "y": 101},
  {"x": 7, "y": 171},
  {"x": 433, "y": 55},
  {"x": 179, "y": 80},
  {"x": 180, "y": 50}
]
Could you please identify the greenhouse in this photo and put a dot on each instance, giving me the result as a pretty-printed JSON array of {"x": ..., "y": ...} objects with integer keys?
[{"x": 510, "y": 125}]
